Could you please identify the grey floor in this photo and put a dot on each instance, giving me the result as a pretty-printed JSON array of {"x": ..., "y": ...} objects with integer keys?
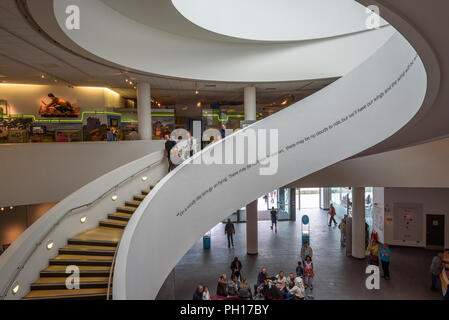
[{"x": 336, "y": 275}]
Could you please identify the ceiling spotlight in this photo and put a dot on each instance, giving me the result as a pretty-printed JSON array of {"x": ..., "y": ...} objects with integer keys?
[
  {"x": 197, "y": 92},
  {"x": 50, "y": 245},
  {"x": 114, "y": 197},
  {"x": 284, "y": 102},
  {"x": 11, "y": 207},
  {"x": 127, "y": 80},
  {"x": 198, "y": 104},
  {"x": 43, "y": 76},
  {"x": 131, "y": 83},
  {"x": 83, "y": 219}
]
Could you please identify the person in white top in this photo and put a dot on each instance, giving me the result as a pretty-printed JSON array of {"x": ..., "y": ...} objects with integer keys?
[
  {"x": 206, "y": 294},
  {"x": 281, "y": 281},
  {"x": 298, "y": 291}
]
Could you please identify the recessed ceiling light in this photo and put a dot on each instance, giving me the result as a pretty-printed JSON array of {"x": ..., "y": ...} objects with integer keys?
[
  {"x": 15, "y": 288},
  {"x": 50, "y": 245}
]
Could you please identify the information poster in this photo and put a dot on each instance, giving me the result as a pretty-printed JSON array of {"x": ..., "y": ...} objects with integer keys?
[{"x": 407, "y": 221}]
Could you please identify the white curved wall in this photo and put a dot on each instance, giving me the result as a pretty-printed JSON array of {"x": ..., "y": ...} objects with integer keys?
[
  {"x": 31, "y": 242},
  {"x": 155, "y": 51},
  {"x": 276, "y": 20},
  {"x": 392, "y": 84}
]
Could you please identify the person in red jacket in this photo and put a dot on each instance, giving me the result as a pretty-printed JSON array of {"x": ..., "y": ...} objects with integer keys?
[{"x": 332, "y": 214}]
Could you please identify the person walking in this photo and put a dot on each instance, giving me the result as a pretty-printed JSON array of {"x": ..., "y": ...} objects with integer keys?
[
  {"x": 236, "y": 267},
  {"x": 342, "y": 227},
  {"x": 332, "y": 214},
  {"x": 274, "y": 219},
  {"x": 230, "y": 231},
  {"x": 306, "y": 250},
  {"x": 385, "y": 260},
  {"x": 308, "y": 272},
  {"x": 169, "y": 144},
  {"x": 435, "y": 269}
]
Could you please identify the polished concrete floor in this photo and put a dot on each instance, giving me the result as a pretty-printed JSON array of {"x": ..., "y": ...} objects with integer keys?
[{"x": 336, "y": 275}]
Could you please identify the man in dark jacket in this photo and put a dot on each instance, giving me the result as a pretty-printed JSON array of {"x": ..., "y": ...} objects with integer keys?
[
  {"x": 169, "y": 144},
  {"x": 236, "y": 267},
  {"x": 230, "y": 231},
  {"x": 198, "y": 295}
]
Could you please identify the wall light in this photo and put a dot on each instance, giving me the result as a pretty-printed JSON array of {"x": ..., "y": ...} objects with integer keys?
[
  {"x": 50, "y": 245},
  {"x": 144, "y": 178},
  {"x": 114, "y": 197},
  {"x": 15, "y": 288},
  {"x": 83, "y": 219},
  {"x": 11, "y": 207}
]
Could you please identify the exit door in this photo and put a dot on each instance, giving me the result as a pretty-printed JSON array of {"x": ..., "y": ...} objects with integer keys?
[{"x": 435, "y": 230}]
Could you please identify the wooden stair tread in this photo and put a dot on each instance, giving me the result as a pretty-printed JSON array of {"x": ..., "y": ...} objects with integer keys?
[
  {"x": 134, "y": 202},
  {"x": 82, "y": 268},
  {"x": 101, "y": 234},
  {"x": 118, "y": 222},
  {"x": 128, "y": 208},
  {"x": 140, "y": 197},
  {"x": 65, "y": 293},
  {"x": 88, "y": 247},
  {"x": 81, "y": 257},
  {"x": 45, "y": 280}
]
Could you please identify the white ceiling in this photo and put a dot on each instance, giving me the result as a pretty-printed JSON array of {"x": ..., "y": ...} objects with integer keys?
[{"x": 25, "y": 56}]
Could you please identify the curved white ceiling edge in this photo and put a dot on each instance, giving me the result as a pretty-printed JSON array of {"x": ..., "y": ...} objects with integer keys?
[
  {"x": 111, "y": 36},
  {"x": 274, "y": 20},
  {"x": 358, "y": 110}
]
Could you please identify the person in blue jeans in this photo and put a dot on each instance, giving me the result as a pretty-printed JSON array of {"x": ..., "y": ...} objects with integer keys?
[{"x": 385, "y": 254}]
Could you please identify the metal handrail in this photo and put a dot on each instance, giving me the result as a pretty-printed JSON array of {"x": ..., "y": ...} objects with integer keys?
[
  {"x": 69, "y": 212},
  {"x": 112, "y": 269}
]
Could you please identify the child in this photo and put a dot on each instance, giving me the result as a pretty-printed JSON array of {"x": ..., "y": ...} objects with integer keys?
[
  {"x": 308, "y": 272},
  {"x": 299, "y": 270},
  {"x": 206, "y": 294}
]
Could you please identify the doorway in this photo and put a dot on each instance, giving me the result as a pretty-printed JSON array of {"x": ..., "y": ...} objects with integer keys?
[
  {"x": 309, "y": 198},
  {"x": 435, "y": 231}
]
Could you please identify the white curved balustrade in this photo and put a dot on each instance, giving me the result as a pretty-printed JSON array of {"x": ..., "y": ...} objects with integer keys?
[
  {"x": 354, "y": 113},
  {"x": 28, "y": 255}
]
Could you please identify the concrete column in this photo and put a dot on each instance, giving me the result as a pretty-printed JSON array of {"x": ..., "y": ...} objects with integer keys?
[
  {"x": 144, "y": 110},
  {"x": 358, "y": 222},
  {"x": 325, "y": 194},
  {"x": 250, "y": 103},
  {"x": 252, "y": 241},
  {"x": 293, "y": 203}
]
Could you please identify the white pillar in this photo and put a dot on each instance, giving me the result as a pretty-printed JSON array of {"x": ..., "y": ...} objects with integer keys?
[
  {"x": 252, "y": 241},
  {"x": 325, "y": 198},
  {"x": 358, "y": 222},
  {"x": 250, "y": 103},
  {"x": 144, "y": 110}
]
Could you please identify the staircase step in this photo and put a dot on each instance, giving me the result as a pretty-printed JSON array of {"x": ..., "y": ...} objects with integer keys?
[
  {"x": 113, "y": 223},
  {"x": 140, "y": 197},
  {"x": 147, "y": 191},
  {"x": 58, "y": 283},
  {"x": 87, "y": 250},
  {"x": 81, "y": 260},
  {"x": 120, "y": 216},
  {"x": 133, "y": 203},
  {"x": 83, "y": 294},
  {"x": 85, "y": 271},
  {"x": 101, "y": 236},
  {"x": 126, "y": 209}
]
